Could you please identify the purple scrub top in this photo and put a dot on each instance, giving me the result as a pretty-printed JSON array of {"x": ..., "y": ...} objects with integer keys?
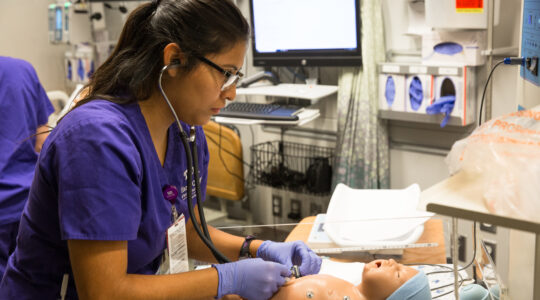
[
  {"x": 24, "y": 106},
  {"x": 98, "y": 178}
]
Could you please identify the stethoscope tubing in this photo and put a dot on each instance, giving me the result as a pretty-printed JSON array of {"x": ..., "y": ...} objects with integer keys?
[{"x": 192, "y": 162}]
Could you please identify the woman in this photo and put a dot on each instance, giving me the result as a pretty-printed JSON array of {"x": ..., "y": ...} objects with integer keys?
[
  {"x": 24, "y": 111},
  {"x": 111, "y": 183}
]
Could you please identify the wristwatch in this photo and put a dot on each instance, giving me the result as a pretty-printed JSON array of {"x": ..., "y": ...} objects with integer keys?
[{"x": 244, "y": 251}]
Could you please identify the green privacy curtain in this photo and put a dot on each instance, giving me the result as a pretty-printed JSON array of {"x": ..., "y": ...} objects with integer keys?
[{"x": 362, "y": 148}]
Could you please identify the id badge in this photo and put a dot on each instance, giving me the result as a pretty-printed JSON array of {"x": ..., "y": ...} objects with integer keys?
[{"x": 177, "y": 246}]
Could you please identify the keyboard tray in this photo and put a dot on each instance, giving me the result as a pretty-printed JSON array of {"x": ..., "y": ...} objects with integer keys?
[{"x": 260, "y": 111}]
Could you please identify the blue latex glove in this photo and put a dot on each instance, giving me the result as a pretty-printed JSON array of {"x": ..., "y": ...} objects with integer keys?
[
  {"x": 253, "y": 279},
  {"x": 443, "y": 105},
  {"x": 416, "y": 94},
  {"x": 390, "y": 91},
  {"x": 289, "y": 254},
  {"x": 448, "y": 48}
]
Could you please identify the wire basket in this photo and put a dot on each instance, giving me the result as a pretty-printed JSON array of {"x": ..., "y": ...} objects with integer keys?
[{"x": 291, "y": 166}]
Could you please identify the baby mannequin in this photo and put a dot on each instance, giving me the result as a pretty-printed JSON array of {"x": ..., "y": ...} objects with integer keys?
[{"x": 381, "y": 279}]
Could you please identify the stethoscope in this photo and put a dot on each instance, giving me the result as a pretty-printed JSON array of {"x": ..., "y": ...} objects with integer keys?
[{"x": 192, "y": 168}]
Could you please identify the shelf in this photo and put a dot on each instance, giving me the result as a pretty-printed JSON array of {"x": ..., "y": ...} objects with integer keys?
[
  {"x": 289, "y": 90},
  {"x": 306, "y": 116},
  {"x": 420, "y": 117},
  {"x": 461, "y": 196}
]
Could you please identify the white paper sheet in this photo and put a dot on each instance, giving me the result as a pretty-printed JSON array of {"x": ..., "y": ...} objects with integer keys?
[{"x": 370, "y": 217}]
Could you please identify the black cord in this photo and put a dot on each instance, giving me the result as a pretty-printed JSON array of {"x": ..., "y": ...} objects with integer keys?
[
  {"x": 221, "y": 258},
  {"x": 198, "y": 190},
  {"x": 36, "y": 134},
  {"x": 227, "y": 151},
  {"x": 484, "y": 93},
  {"x": 296, "y": 74},
  {"x": 223, "y": 161}
]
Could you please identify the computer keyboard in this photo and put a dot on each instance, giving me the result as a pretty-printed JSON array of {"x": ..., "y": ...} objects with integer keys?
[{"x": 260, "y": 111}]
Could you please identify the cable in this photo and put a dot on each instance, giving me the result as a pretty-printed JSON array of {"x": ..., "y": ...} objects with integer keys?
[
  {"x": 449, "y": 268},
  {"x": 296, "y": 74},
  {"x": 247, "y": 183},
  {"x": 484, "y": 93},
  {"x": 36, "y": 134},
  {"x": 227, "y": 151},
  {"x": 461, "y": 280},
  {"x": 506, "y": 61},
  {"x": 218, "y": 255},
  {"x": 223, "y": 161}
]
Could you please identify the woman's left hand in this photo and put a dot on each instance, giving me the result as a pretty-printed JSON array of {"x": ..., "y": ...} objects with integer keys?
[{"x": 291, "y": 253}]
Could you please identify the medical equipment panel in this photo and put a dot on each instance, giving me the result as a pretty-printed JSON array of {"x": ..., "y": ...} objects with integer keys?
[
  {"x": 67, "y": 24},
  {"x": 392, "y": 89},
  {"x": 431, "y": 84},
  {"x": 530, "y": 40},
  {"x": 460, "y": 14}
]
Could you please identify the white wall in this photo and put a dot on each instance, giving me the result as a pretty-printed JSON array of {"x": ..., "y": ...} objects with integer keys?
[{"x": 24, "y": 34}]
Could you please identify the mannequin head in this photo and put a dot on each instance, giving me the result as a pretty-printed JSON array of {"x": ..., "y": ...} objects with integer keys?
[{"x": 382, "y": 277}]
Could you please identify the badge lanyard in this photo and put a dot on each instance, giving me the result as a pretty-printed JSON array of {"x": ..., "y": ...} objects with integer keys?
[
  {"x": 175, "y": 259},
  {"x": 170, "y": 193}
]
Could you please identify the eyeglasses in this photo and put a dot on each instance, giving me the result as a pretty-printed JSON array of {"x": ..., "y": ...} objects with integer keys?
[{"x": 230, "y": 78}]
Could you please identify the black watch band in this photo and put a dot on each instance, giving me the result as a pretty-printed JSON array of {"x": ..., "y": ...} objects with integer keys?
[{"x": 244, "y": 251}]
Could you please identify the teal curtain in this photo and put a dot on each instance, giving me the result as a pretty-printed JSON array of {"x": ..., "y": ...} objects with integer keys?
[{"x": 362, "y": 148}]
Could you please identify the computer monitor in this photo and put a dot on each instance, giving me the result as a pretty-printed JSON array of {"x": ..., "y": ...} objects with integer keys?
[{"x": 306, "y": 33}]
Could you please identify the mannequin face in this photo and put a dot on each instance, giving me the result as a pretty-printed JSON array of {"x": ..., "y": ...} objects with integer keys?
[{"x": 382, "y": 277}]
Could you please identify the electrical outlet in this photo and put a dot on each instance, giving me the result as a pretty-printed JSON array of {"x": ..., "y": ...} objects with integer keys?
[
  {"x": 533, "y": 66},
  {"x": 462, "y": 248},
  {"x": 488, "y": 228},
  {"x": 491, "y": 248},
  {"x": 296, "y": 209},
  {"x": 277, "y": 202}
]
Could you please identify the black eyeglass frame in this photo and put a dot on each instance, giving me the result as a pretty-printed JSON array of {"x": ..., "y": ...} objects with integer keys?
[{"x": 226, "y": 73}]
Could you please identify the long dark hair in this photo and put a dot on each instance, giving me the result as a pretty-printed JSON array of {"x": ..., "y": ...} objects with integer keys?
[{"x": 198, "y": 27}]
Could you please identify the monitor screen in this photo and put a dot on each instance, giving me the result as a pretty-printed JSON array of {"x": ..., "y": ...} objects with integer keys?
[{"x": 306, "y": 32}]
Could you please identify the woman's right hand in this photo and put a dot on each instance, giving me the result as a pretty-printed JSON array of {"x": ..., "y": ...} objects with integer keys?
[{"x": 253, "y": 279}]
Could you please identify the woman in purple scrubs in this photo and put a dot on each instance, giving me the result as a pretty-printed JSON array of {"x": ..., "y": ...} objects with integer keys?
[
  {"x": 100, "y": 210},
  {"x": 24, "y": 111}
]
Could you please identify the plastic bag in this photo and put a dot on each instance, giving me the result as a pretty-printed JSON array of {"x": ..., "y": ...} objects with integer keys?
[{"x": 505, "y": 154}]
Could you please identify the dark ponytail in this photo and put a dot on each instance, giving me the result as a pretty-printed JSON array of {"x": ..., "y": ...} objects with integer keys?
[{"x": 199, "y": 27}]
